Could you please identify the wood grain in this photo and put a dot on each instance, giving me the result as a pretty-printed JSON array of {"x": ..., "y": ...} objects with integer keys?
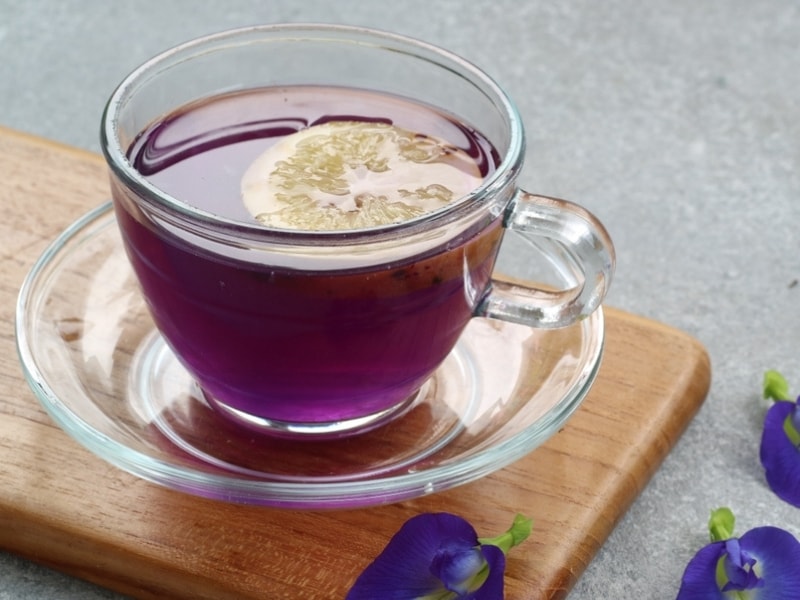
[{"x": 62, "y": 506}]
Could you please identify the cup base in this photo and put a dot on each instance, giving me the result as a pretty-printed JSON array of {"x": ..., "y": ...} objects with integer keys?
[{"x": 323, "y": 430}]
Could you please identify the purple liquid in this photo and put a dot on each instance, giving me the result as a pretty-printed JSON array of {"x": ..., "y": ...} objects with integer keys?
[{"x": 282, "y": 344}]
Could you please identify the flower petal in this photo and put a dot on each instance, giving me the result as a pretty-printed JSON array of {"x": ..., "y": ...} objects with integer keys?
[
  {"x": 777, "y": 554},
  {"x": 402, "y": 570},
  {"x": 492, "y": 588},
  {"x": 779, "y": 456},
  {"x": 795, "y": 420},
  {"x": 456, "y": 564},
  {"x": 700, "y": 577},
  {"x": 777, "y": 562},
  {"x": 738, "y": 567}
]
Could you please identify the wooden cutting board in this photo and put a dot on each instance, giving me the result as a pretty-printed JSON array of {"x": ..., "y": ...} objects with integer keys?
[{"x": 62, "y": 506}]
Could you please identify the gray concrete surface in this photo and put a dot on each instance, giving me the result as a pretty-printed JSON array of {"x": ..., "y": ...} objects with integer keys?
[{"x": 677, "y": 123}]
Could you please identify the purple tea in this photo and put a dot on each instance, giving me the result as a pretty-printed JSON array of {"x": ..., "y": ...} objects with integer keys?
[{"x": 296, "y": 345}]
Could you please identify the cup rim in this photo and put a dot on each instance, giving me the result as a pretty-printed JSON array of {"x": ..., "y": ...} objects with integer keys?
[{"x": 176, "y": 211}]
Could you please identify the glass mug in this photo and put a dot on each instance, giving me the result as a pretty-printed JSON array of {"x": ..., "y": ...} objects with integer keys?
[{"x": 325, "y": 333}]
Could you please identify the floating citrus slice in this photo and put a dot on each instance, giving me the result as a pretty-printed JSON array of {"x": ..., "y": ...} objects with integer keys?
[{"x": 351, "y": 175}]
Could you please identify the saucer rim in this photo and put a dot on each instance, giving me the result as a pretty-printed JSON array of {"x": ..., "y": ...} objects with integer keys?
[{"x": 347, "y": 494}]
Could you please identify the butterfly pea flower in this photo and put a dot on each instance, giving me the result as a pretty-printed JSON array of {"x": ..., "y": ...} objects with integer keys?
[
  {"x": 439, "y": 556},
  {"x": 763, "y": 564},
  {"x": 780, "y": 440}
]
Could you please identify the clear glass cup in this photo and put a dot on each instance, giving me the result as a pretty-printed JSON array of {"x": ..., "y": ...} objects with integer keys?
[{"x": 329, "y": 333}]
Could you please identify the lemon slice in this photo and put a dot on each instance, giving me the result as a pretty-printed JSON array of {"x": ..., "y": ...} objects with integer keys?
[{"x": 351, "y": 175}]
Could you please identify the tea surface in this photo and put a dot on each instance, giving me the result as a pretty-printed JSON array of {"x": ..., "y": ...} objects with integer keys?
[{"x": 376, "y": 159}]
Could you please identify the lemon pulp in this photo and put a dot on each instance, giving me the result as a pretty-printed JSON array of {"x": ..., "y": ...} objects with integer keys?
[{"x": 352, "y": 175}]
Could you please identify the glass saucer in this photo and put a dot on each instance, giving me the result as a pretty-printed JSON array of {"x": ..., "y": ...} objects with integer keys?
[{"x": 92, "y": 356}]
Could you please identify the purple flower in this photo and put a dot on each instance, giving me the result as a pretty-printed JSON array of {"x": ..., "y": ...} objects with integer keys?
[
  {"x": 439, "y": 556},
  {"x": 763, "y": 564},
  {"x": 780, "y": 440}
]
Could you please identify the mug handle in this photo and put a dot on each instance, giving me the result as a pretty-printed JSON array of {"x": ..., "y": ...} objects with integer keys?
[{"x": 578, "y": 245}]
